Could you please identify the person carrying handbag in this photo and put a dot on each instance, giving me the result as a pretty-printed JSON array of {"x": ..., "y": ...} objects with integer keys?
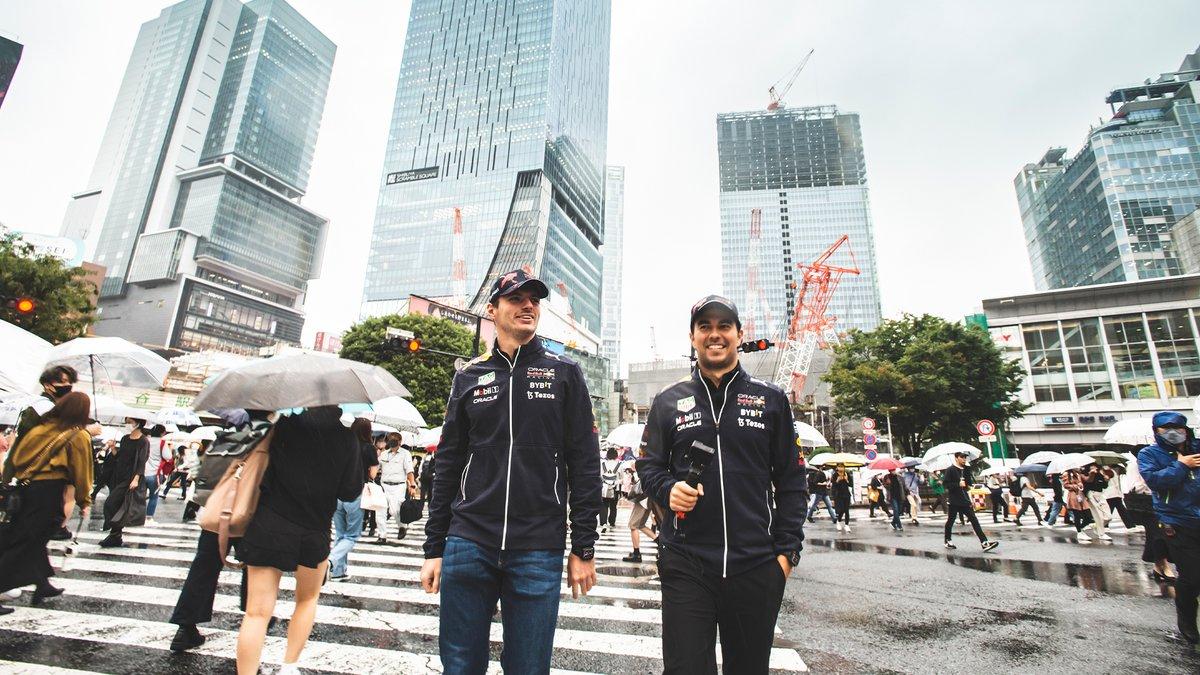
[
  {"x": 127, "y": 491},
  {"x": 49, "y": 457}
]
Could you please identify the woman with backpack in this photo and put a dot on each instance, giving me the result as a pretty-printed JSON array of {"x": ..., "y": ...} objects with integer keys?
[
  {"x": 49, "y": 457},
  {"x": 609, "y": 492}
]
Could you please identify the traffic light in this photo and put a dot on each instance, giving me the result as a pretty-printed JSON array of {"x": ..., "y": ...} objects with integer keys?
[
  {"x": 413, "y": 345},
  {"x": 408, "y": 345},
  {"x": 21, "y": 305},
  {"x": 759, "y": 345}
]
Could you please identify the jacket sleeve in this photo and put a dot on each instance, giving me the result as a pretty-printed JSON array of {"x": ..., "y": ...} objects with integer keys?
[
  {"x": 654, "y": 466},
  {"x": 1160, "y": 470},
  {"x": 351, "y": 486},
  {"x": 788, "y": 478},
  {"x": 449, "y": 460},
  {"x": 581, "y": 452}
]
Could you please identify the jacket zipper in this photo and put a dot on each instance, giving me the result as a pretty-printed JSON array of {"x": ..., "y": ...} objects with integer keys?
[
  {"x": 512, "y": 369},
  {"x": 721, "y": 467},
  {"x": 770, "y": 517},
  {"x": 462, "y": 483},
  {"x": 556, "y": 499}
]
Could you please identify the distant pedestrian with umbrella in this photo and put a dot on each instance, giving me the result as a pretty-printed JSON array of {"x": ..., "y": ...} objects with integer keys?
[
  {"x": 818, "y": 487},
  {"x": 1029, "y": 495},
  {"x": 912, "y": 486},
  {"x": 1094, "y": 484},
  {"x": 841, "y": 485},
  {"x": 958, "y": 480},
  {"x": 1169, "y": 469},
  {"x": 995, "y": 486},
  {"x": 938, "y": 487}
]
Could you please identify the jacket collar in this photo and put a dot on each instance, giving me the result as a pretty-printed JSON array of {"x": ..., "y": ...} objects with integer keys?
[
  {"x": 530, "y": 350},
  {"x": 725, "y": 379}
]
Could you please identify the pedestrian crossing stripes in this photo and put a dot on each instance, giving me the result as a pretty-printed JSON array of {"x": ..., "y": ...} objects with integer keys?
[{"x": 117, "y": 601}]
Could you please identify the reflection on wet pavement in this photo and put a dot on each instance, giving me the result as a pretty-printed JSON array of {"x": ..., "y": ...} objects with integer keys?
[{"x": 1132, "y": 578}]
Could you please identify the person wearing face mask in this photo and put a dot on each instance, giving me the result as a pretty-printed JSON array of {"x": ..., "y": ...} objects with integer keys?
[
  {"x": 133, "y": 451},
  {"x": 1169, "y": 468}
]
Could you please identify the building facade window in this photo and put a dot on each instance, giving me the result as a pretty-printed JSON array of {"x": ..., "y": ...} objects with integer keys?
[
  {"x": 1047, "y": 370},
  {"x": 1127, "y": 340},
  {"x": 1175, "y": 346},
  {"x": 1089, "y": 366}
]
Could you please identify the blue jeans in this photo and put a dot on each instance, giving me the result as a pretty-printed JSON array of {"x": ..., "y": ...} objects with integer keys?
[
  {"x": 897, "y": 510},
  {"x": 1052, "y": 513},
  {"x": 151, "y": 494},
  {"x": 813, "y": 504},
  {"x": 527, "y": 585},
  {"x": 347, "y": 526}
]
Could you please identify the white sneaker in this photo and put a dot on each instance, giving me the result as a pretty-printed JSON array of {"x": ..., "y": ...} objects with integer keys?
[
  {"x": 1104, "y": 537},
  {"x": 149, "y": 521},
  {"x": 288, "y": 669},
  {"x": 847, "y": 529},
  {"x": 11, "y": 594},
  {"x": 1136, "y": 528},
  {"x": 839, "y": 527},
  {"x": 1082, "y": 537}
]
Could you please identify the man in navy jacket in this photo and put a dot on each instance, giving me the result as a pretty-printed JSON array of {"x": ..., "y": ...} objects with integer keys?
[
  {"x": 517, "y": 445},
  {"x": 1169, "y": 469},
  {"x": 724, "y": 562}
]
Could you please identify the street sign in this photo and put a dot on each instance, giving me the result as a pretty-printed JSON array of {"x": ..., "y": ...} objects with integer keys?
[
  {"x": 868, "y": 424},
  {"x": 871, "y": 454},
  {"x": 985, "y": 427},
  {"x": 869, "y": 440},
  {"x": 988, "y": 439}
]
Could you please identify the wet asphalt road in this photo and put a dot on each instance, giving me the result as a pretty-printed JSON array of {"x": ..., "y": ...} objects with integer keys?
[
  {"x": 878, "y": 601},
  {"x": 870, "y": 601}
]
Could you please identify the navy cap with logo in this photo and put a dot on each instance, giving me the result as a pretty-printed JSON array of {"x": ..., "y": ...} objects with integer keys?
[
  {"x": 509, "y": 282},
  {"x": 719, "y": 301}
]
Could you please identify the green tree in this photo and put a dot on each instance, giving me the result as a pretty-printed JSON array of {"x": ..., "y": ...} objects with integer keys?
[
  {"x": 63, "y": 298},
  {"x": 425, "y": 374},
  {"x": 937, "y": 379}
]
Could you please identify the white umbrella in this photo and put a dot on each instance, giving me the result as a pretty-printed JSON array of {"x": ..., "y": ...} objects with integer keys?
[
  {"x": 429, "y": 437},
  {"x": 1134, "y": 431},
  {"x": 835, "y": 458},
  {"x": 24, "y": 354},
  {"x": 397, "y": 411},
  {"x": 939, "y": 463},
  {"x": 1071, "y": 460},
  {"x": 205, "y": 433},
  {"x": 379, "y": 427},
  {"x": 994, "y": 471},
  {"x": 177, "y": 416},
  {"x": 108, "y": 410},
  {"x": 178, "y": 437},
  {"x": 1042, "y": 457},
  {"x": 627, "y": 435},
  {"x": 112, "y": 360},
  {"x": 298, "y": 381},
  {"x": 809, "y": 436},
  {"x": 950, "y": 449},
  {"x": 12, "y": 404}
]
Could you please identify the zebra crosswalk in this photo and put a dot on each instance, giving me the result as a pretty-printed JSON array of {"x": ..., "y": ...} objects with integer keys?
[{"x": 113, "y": 614}]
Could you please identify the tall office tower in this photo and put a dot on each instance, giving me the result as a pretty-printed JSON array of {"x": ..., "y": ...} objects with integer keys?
[
  {"x": 194, "y": 202},
  {"x": 1105, "y": 215},
  {"x": 614, "y": 242},
  {"x": 803, "y": 168},
  {"x": 501, "y": 113},
  {"x": 10, "y": 56}
]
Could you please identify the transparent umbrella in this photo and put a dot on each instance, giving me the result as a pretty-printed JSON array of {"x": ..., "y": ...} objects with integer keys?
[
  {"x": 298, "y": 381},
  {"x": 1134, "y": 431},
  {"x": 392, "y": 411},
  {"x": 952, "y": 448},
  {"x": 1042, "y": 457},
  {"x": 809, "y": 436},
  {"x": 24, "y": 354},
  {"x": 185, "y": 417},
  {"x": 105, "y": 363},
  {"x": 626, "y": 435}
]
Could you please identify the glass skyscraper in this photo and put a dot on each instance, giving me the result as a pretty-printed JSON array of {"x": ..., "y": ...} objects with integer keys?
[
  {"x": 1105, "y": 215},
  {"x": 803, "y": 169},
  {"x": 10, "y": 56},
  {"x": 194, "y": 202},
  {"x": 614, "y": 242},
  {"x": 501, "y": 116}
]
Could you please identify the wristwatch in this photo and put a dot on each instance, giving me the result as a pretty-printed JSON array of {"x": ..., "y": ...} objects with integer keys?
[
  {"x": 584, "y": 553},
  {"x": 793, "y": 557}
]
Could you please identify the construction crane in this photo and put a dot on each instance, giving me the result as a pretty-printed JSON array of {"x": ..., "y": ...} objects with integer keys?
[
  {"x": 810, "y": 326},
  {"x": 776, "y": 93},
  {"x": 458, "y": 274},
  {"x": 754, "y": 294}
]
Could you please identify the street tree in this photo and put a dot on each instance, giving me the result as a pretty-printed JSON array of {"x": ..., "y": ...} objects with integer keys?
[
  {"x": 426, "y": 374},
  {"x": 62, "y": 299},
  {"x": 935, "y": 377}
]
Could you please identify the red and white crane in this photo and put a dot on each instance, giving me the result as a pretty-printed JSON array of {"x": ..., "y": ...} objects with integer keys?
[
  {"x": 810, "y": 326},
  {"x": 776, "y": 93},
  {"x": 755, "y": 300},
  {"x": 458, "y": 274}
]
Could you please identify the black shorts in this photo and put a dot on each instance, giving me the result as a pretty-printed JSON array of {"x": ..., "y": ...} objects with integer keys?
[{"x": 273, "y": 541}]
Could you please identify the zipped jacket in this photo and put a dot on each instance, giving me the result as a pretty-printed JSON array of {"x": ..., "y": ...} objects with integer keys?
[
  {"x": 518, "y": 442},
  {"x": 1176, "y": 488},
  {"x": 754, "y": 488}
]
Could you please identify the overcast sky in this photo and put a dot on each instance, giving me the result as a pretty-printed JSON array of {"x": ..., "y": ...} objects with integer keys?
[{"x": 954, "y": 97}]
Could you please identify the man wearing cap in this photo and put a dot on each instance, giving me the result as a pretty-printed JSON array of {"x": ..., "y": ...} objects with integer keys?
[
  {"x": 957, "y": 480},
  {"x": 518, "y": 443},
  {"x": 1169, "y": 469},
  {"x": 726, "y": 551}
]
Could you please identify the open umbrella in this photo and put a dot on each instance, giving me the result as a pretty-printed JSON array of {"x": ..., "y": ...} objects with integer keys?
[
  {"x": 938, "y": 463},
  {"x": 1133, "y": 431},
  {"x": 298, "y": 381},
  {"x": 1029, "y": 468},
  {"x": 834, "y": 458},
  {"x": 185, "y": 417},
  {"x": 809, "y": 436},
  {"x": 112, "y": 361},
  {"x": 24, "y": 354},
  {"x": 951, "y": 448},
  {"x": 1042, "y": 457},
  {"x": 1071, "y": 460},
  {"x": 910, "y": 462},
  {"x": 178, "y": 437},
  {"x": 393, "y": 411},
  {"x": 885, "y": 464},
  {"x": 381, "y": 428},
  {"x": 205, "y": 433},
  {"x": 626, "y": 435},
  {"x": 12, "y": 404},
  {"x": 1107, "y": 457},
  {"x": 994, "y": 471}
]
